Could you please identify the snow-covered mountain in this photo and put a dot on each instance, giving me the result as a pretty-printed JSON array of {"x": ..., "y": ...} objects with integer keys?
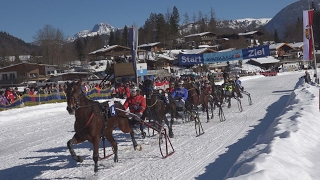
[
  {"x": 242, "y": 23},
  {"x": 98, "y": 29},
  {"x": 247, "y": 23},
  {"x": 105, "y": 28}
]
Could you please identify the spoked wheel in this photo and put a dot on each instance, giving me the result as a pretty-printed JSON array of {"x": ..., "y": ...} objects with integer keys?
[
  {"x": 249, "y": 97},
  {"x": 197, "y": 123},
  {"x": 165, "y": 145},
  {"x": 239, "y": 104}
]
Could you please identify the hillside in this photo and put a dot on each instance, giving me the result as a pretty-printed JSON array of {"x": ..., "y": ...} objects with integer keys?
[
  {"x": 289, "y": 14},
  {"x": 12, "y": 46}
]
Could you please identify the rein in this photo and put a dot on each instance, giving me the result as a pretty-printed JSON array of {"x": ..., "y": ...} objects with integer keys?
[{"x": 153, "y": 104}]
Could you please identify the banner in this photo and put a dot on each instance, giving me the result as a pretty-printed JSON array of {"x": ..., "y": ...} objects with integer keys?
[
  {"x": 206, "y": 58},
  {"x": 142, "y": 69},
  {"x": 307, "y": 34},
  {"x": 133, "y": 34}
]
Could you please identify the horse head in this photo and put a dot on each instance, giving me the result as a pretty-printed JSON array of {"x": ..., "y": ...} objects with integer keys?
[{"x": 73, "y": 93}]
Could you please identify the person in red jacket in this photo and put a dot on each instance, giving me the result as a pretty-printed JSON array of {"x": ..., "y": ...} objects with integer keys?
[
  {"x": 136, "y": 104},
  {"x": 10, "y": 95},
  {"x": 170, "y": 88},
  {"x": 121, "y": 91},
  {"x": 127, "y": 89}
]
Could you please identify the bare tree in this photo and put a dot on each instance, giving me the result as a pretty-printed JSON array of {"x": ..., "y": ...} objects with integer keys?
[{"x": 50, "y": 40}]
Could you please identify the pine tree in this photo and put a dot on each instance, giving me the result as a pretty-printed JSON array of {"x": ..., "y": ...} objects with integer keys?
[{"x": 276, "y": 38}]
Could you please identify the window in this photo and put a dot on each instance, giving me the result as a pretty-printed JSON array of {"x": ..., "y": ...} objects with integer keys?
[
  {"x": 12, "y": 76},
  {"x": 33, "y": 75},
  {"x": 4, "y": 77}
]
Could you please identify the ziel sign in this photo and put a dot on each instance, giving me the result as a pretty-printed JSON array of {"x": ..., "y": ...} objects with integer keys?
[{"x": 190, "y": 59}]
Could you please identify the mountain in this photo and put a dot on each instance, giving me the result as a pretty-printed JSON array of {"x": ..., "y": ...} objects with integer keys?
[
  {"x": 289, "y": 14},
  {"x": 247, "y": 23},
  {"x": 98, "y": 29}
]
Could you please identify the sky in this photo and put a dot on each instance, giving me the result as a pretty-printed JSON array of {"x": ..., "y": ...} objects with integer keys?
[
  {"x": 277, "y": 137},
  {"x": 22, "y": 19}
]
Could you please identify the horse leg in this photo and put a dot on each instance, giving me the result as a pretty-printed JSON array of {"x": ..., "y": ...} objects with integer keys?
[
  {"x": 95, "y": 156},
  {"x": 124, "y": 126},
  {"x": 113, "y": 143},
  {"x": 70, "y": 144},
  {"x": 171, "y": 135}
]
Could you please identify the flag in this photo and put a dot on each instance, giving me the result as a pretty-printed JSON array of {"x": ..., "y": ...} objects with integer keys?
[
  {"x": 307, "y": 34},
  {"x": 133, "y": 34}
]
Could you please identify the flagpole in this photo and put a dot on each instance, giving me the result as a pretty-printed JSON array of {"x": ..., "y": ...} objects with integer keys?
[{"x": 314, "y": 57}]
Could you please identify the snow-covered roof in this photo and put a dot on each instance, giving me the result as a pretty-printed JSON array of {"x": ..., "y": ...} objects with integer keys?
[
  {"x": 193, "y": 51},
  {"x": 275, "y": 46},
  {"x": 199, "y": 34},
  {"x": 296, "y": 45},
  {"x": 149, "y": 44},
  {"x": 247, "y": 33},
  {"x": 266, "y": 60},
  {"x": 104, "y": 49}
]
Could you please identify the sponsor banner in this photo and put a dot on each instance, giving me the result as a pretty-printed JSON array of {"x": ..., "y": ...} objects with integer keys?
[
  {"x": 222, "y": 56},
  {"x": 307, "y": 34},
  {"x": 190, "y": 59},
  {"x": 142, "y": 69},
  {"x": 256, "y": 52}
]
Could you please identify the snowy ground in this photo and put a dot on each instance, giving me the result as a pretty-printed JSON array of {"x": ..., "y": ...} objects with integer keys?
[{"x": 275, "y": 138}]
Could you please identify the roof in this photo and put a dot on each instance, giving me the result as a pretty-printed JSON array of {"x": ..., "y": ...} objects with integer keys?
[
  {"x": 148, "y": 44},
  {"x": 12, "y": 65},
  {"x": 200, "y": 34},
  {"x": 250, "y": 33},
  {"x": 105, "y": 49},
  {"x": 296, "y": 45},
  {"x": 276, "y": 46},
  {"x": 196, "y": 51},
  {"x": 266, "y": 60}
]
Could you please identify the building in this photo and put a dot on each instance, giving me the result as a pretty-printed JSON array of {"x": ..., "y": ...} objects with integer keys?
[
  {"x": 195, "y": 40},
  {"x": 25, "y": 71}
]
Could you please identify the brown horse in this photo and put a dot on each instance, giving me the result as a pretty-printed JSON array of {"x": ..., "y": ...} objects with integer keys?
[
  {"x": 205, "y": 100},
  {"x": 93, "y": 121},
  {"x": 156, "y": 109}
]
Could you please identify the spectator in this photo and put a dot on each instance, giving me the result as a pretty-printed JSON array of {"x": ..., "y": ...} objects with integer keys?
[
  {"x": 9, "y": 95},
  {"x": 306, "y": 77},
  {"x": 3, "y": 99}
]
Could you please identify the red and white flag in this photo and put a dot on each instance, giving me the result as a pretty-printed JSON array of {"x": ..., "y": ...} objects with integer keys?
[{"x": 307, "y": 34}]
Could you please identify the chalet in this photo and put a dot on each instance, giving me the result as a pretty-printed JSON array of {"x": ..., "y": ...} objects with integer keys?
[
  {"x": 265, "y": 62},
  {"x": 204, "y": 38},
  {"x": 298, "y": 49},
  {"x": 20, "y": 72},
  {"x": 281, "y": 50},
  {"x": 151, "y": 47},
  {"x": 116, "y": 52},
  {"x": 251, "y": 37}
]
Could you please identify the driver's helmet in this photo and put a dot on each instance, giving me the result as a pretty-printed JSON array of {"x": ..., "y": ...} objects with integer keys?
[
  {"x": 134, "y": 89},
  {"x": 237, "y": 76},
  {"x": 172, "y": 83}
]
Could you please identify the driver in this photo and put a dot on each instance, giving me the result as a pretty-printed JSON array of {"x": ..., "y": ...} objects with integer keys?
[
  {"x": 180, "y": 93},
  {"x": 136, "y": 104}
]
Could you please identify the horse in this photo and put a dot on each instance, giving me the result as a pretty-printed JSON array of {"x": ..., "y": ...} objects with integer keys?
[
  {"x": 228, "y": 95},
  {"x": 157, "y": 110},
  {"x": 205, "y": 101},
  {"x": 94, "y": 120}
]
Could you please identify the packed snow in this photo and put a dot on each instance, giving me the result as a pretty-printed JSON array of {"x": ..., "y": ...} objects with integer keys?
[{"x": 277, "y": 137}]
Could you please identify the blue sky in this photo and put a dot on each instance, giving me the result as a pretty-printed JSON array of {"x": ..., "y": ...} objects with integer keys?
[{"x": 22, "y": 18}]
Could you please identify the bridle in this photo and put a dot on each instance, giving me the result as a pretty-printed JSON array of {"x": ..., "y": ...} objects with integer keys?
[{"x": 77, "y": 100}]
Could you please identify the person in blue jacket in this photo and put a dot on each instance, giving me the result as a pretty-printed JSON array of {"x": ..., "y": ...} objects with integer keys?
[{"x": 180, "y": 93}]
